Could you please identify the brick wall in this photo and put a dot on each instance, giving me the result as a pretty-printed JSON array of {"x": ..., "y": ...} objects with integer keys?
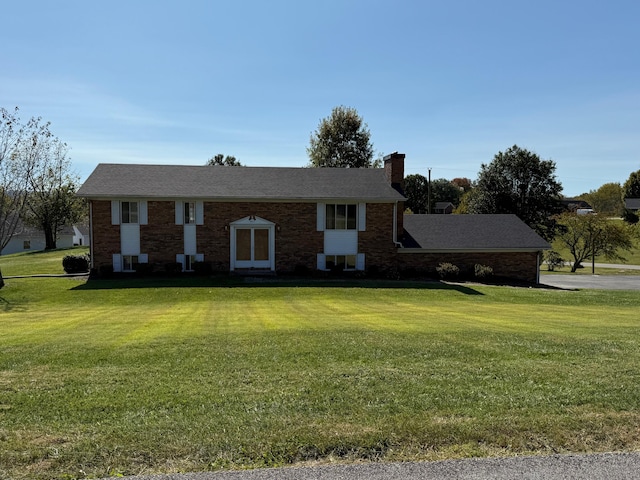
[
  {"x": 377, "y": 241},
  {"x": 104, "y": 237},
  {"x": 521, "y": 266},
  {"x": 297, "y": 242},
  {"x": 161, "y": 238}
]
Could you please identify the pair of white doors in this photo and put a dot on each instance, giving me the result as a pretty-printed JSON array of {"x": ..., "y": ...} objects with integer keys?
[{"x": 252, "y": 244}]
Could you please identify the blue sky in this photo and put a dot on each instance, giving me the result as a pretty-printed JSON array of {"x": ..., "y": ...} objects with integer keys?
[{"x": 448, "y": 83}]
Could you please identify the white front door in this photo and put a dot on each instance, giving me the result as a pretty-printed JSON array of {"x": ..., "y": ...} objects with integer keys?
[{"x": 252, "y": 244}]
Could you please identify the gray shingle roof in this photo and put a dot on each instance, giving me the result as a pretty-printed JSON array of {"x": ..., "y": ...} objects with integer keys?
[
  {"x": 237, "y": 183},
  {"x": 632, "y": 203},
  {"x": 470, "y": 232}
]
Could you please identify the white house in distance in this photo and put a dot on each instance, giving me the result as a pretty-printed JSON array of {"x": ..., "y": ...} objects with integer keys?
[{"x": 30, "y": 239}]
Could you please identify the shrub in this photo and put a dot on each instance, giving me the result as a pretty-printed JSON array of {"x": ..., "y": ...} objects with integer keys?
[
  {"x": 202, "y": 268},
  {"x": 630, "y": 217},
  {"x": 144, "y": 268},
  {"x": 75, "y": 263},
  {"x": 482, "y": 271},
  {"x": 447, "y": 271},
  {"x": 106, "y": 271},
  {"x": 553, "y": 260},
  {"x": 173, "y": 267}
]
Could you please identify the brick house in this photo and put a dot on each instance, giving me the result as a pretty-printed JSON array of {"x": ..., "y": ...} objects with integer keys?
[{"x": 274, "y": 219}]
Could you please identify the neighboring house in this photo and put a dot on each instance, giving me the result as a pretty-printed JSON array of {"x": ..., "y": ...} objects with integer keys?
[
  {"x": 444, "y": 207},
  {"x": 278, "y": 219},
  {"x": 29, "y": 239},
  {"x": 632, "y": 204},
  {"x": 573, "y": 204},
  {"x": 81, "y": 235}
]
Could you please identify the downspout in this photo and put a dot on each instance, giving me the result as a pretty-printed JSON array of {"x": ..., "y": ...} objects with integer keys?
[
  {"x": 395, "y": 226},
  {"x": 91, "y": 234}
]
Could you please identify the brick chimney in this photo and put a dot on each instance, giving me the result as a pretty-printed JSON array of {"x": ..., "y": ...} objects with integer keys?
[{"x": 394, "y": 170}]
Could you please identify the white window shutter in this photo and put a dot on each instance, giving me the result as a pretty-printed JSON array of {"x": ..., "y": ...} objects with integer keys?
[
  {"x": 180, "y": 260},
  {"x": 143, "y": 258},
  {"x": 117, "y": 262},
  {"x": 199, "y": 257},
  {"x": 115, "y": 212},
  {"x": 144, "y": 216},
  {"x": 199, "y": 213},
  {"x": 360, "y": 261},
  {"x": 321, "y": 215},
  {"x": 179, "y": 212},
  {"x": 362, "y": 216},
  {"x": 321, "y": 263}
]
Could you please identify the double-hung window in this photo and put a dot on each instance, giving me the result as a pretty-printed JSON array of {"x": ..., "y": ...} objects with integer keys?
[
  {"x": 189, "y": 213},
  {"x": 341, "y": 216},
  {"x": 129, "y": 212}
]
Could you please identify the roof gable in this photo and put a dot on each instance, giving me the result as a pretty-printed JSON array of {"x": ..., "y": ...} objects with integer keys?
[
  {"x": 470, "y": 232},
  {"x": 238, "y": 183}
]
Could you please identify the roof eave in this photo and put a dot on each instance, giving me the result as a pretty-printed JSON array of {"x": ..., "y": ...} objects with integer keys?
[{"x": 473, "y": 250}]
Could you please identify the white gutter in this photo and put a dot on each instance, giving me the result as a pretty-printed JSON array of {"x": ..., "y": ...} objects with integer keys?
[
  {"x": 395, "y": 226},
  {"x": 91, "y": 265}
]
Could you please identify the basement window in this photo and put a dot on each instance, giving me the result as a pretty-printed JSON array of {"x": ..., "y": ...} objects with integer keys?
[
  {"x": 129, "y": 263},
  {"x": 340, "y": 262}
]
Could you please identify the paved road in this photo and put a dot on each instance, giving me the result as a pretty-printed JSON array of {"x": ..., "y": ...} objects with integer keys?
[
  {"x": 572, "y": 282},
  {"x": 608, "y": 466}
]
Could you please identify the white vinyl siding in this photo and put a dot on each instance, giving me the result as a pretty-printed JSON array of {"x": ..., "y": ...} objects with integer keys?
[
  {"x": 129, "y": 239},
  {"x": 190, "y": 239}
]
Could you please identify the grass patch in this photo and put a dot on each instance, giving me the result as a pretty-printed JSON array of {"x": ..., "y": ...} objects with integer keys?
[
  {"x": 37, "y": 263},
  {"x": 107, "y": 378}
]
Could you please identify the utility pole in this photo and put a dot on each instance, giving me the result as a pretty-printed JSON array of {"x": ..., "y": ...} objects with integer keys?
[{"x": 429, "y": 193}]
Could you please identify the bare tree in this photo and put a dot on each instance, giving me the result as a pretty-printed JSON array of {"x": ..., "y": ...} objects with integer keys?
[{"x": 15, "y": 168}]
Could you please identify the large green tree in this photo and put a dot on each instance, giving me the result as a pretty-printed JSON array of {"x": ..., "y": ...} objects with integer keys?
[
  {"x": 606, "y": 200},
  {"x": 341, "y": 140},
  {"x": 51, "y": 202},
  {"x": 416, "y": 192},
  {"x": 631, "y": 188},
  {"x": 590, "y": 236},
  {"x": 517, "y": 181},
  {"x": 443, "y": 190}
]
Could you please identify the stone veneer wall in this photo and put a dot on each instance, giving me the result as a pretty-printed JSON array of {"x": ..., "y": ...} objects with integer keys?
[{"x": 521, "y": 266}]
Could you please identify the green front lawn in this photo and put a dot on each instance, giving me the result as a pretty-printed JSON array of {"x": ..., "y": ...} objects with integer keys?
[
  {"x": 122, "y": 377},
  {"x": 36, "y": 263}
]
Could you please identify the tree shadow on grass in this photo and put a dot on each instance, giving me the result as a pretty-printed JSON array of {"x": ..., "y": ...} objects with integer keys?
[{"x": 268, "y": 282}]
